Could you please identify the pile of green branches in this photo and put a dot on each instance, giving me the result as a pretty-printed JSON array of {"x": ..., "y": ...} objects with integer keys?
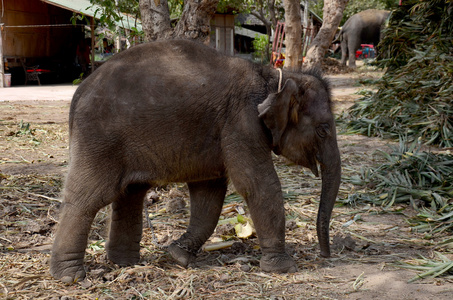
[
  {"x": 421, "y": 179},
  {"x": 430, "y": 268},
  {"x": 415, "y": 95}
]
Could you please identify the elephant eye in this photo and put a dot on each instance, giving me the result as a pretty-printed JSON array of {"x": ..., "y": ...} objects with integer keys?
[{"x": 323, "y": 130}]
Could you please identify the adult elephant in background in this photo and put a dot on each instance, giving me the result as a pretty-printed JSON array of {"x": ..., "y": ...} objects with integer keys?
[
  {"x": 178, "y": 111},
  {"x": 362, "y": 28}
]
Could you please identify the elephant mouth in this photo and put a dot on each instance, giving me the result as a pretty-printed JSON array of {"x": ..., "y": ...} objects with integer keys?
[
  {"x": 314, "y": 168},
  {"x": 307, "y": 160},
  {"x": 312, "y": 162}
]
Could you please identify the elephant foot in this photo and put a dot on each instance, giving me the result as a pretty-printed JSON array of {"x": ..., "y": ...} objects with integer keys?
[
  {"x": 181, "y": 254},
  {"x": 325, "y": 253},
  {"x": 278, "y": 263},
  {"x": 70, "y": 271},
  {"x": 122, "y": 259},
  {"x": 122, "y": 256}
]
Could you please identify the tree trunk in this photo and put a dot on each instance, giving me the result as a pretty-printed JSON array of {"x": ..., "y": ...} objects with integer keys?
[
  {"x": 272, "y": 14},
  {"x": 333, "y": 12},
  {"x": 195, "y": 19},
  {"x": 194, "y": 22},
  {"x": 155, "y": 18},
  {"x": 293, "y": 34},
  {"x": 259, "y": 13}
]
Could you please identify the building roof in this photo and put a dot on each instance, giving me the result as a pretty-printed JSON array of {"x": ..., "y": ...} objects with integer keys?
[
  {"x": 315, "y": 16},
  {"x": 248, "y": 19},
  {"x": 86, "y": 8},
  {"x": 247, "y": 32}
]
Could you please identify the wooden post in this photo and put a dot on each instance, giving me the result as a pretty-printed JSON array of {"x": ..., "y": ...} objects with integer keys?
[
  {"x": 93, "y": 43},
  {"x": 2, "y": 69}
]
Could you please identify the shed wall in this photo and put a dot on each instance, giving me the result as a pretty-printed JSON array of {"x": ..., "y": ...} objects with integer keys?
[{"x": 46, "y": 41}]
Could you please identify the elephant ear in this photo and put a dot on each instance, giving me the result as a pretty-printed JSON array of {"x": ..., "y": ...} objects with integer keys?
[{"x": 278, "y": 109}]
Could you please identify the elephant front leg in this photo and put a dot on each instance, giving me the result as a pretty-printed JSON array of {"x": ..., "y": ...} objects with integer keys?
[
  {"x": 268, "y": 215},
  {"x": 206, "y": 201},
  {"x": 123, "y": 245},
  {"x": 262, "y": 191}
]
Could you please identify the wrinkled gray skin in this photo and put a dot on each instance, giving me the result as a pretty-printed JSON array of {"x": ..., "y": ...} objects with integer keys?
[
  {"x": 178, "y": 111},
  {"x": 362, "y": 28}
]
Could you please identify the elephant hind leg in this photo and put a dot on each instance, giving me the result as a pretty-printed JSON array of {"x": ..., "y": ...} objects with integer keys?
[
  {"x": 352, "y": 48},
  {"x": 123, "y": 245},
  {"x": 344, "y": 52},
  {"x": 82, "y": 201},
  {"x": 68, "y": 249},
  {"x": 206, "y": 201}
]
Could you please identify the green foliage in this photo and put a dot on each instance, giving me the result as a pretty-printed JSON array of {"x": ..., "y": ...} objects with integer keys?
[
  {"x": 415, "y": 29},
  {"x": 356, "y": 6},
  {"x": 76, "y": 17},
  {"x": 422, "y": 179},
  {"x": 317, "y": 7},
  {"x": 175, "y": 7},
  {"x": 261, "y": 46},
  {"x": 24, "y": 129},
  {"x": 111, "y": 10},
  {"x": 79, "y": 80},
  {"x": 430, "y": 268},
  {"x": 112, "y": 13},
  {"x": 97, "y": 245},
  {"x": 234, "y": 6},
  {"x": 414, "y": 97}
]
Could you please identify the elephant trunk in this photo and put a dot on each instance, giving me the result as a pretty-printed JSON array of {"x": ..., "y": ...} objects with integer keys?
[{"x": 331, "y": 175}]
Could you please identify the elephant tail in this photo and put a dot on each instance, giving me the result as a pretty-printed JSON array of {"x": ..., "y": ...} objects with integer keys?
[{"x": 338, "y": 38}]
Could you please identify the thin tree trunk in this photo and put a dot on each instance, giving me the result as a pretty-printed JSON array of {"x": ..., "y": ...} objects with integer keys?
[
  {"x": 195, "y": 20},
  {"x": 155, "y": 18},
  {"x": 332, "y": 13},
  {"x": 272, "y": 14},
  {"x": 273, "y": 23},
  {"x": 293, "y": 34},
  {"x": 259, "y": 13}
]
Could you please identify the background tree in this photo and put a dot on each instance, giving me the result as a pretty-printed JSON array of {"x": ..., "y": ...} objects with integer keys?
[
  {"x": 414, "y": 97},
  {"x": 356, "y": 6},
  {"x": 267, "y": 11},
  {"x": 293, "y": 34},
  {"x": 111, "y": 13},
  {"x": 332, "y": 15},
  {"x": 155, "y": 17},
  {"x": 193, "y": 24},
  {"x": 332, "y": 12}
]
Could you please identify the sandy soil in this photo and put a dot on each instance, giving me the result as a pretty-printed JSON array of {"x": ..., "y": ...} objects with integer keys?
[{"x": 33, "y": 162}]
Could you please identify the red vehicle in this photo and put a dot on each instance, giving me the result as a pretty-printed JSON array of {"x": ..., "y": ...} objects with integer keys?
[{"x": 365, "y": 51}]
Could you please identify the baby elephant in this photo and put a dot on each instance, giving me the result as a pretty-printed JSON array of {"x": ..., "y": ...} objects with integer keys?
[{"x": 178, "y": 111}]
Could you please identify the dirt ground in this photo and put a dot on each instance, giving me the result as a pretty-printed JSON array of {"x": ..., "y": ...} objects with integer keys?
[{"x": 366, "y": 241}]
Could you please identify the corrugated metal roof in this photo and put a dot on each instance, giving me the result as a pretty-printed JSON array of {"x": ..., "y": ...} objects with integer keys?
[
  {"x": 88, "y": 9},
  {"x": 80, "y": 6},
  {"x": 247, "y": 32}
]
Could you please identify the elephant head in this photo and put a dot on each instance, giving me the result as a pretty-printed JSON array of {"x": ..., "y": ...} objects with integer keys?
[{"x": 302, "y": 126}]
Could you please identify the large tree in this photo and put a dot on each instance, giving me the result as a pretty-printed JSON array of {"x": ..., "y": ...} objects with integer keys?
[
  {"x": 267, "y": 11},
  {"x": 193, "y": 24},
  {"x": 155, "y": 17},
  {"x": 332, "y": 14},
  {"x": 293, "y": 34}
]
